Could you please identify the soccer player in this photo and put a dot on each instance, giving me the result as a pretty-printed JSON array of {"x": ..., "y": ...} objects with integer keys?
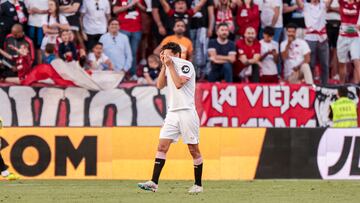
[
  {"x": 349, "y": 40},
  {"x": 181, "y": 118},
  {"x": 3, "y": 167}
]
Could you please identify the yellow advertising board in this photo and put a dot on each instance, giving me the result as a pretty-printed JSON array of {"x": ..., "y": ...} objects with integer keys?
[{"x": 127, "y": 153}]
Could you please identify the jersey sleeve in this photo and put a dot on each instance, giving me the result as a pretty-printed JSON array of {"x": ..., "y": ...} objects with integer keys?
[{"x": 186, "y": 71}]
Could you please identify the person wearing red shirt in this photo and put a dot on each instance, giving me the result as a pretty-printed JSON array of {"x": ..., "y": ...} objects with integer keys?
[
  {"x": 249, "y": 55},
  {"x": 247, "y": 16},
  {"x": 129, "y": 17},
  {"x": 349, "y": 40}
]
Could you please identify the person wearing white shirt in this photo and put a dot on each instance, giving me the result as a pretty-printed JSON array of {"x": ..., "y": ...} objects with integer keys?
[
  {"x": 94, "y": 17},
  {"x": 269, "y": 57},
  {"x": 37, "y": 10},
  {"x": 98, "y": 60},
  {"x": 271, "y": 15},
  {"x": 316, "y": 36},
  {"x": 52, "y": 24},
  {"x": 296, "y": 55}
]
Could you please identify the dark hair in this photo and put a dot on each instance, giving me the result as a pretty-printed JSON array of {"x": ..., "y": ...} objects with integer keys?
[
  {"x": 221, "y": 24},
  {"x": 57, "y": 11},
  {"x": 112, "y": 20},
  {"x": 291, "y": 25},
  {"x": 174, "y": 47},
  {"x": 50, "y": 48},
  {"x": 97, "y": 43},
  {"x": 343, "y": 91},
  {"x": 179, "y": 20},
  {"x": 269, "y": 31}
]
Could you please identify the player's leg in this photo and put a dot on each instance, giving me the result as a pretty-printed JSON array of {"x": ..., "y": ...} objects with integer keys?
[
  {"x": 189, "y": 128},
  {"x": 4, "y": 171},
  {"x": 198, "y": 168},
  {"x": 160, "y": 158},
  {"x": 343, "y": 48},
  {"x": 169, "y": 133},
  {"x": 355, "y": 57}
]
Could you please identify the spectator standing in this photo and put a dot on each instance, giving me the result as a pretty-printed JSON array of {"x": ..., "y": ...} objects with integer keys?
[
  {"x": 11, "y": 13},
  {"x": 249, "y": 55},
  {"x": 201, "y": 29},
  {"x": 222, "y": 55},
  {"x": 38, "y": 10},
  {"x": 292, "y": 14},
  {"x": 316, "y": 36},
  {"x": 224, "y": 14},
  {"x": 94, "y": 17},
  {"x": 117, "y": 47},
  {"x": 296, "y": 55},
  {"x": 333, "y": 27},
  {"x": 271, "y": 15},
  {"x": 129, "y": 17},
  {"x": 161, "y": 20},
  {"x": 349, "y": 40},
  {"x": 269, "y": 57},
  {"x": 179, "y": 38},
  {"x": 52, "y": 25},
  {"x": 247, "y": 16}
]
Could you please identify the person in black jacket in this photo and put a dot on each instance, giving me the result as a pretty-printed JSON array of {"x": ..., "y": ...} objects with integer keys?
[{"x": 11, "y": 12}]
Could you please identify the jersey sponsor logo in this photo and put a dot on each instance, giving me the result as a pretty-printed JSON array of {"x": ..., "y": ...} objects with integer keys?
[
  {"x": 339, "y": 153},
  {"x": 185, "y": 69}
]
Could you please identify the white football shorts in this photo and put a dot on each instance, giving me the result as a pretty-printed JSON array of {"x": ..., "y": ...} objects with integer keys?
[
  {"x": 346, "y": 45},
  {"x": 184, "y": 123}
]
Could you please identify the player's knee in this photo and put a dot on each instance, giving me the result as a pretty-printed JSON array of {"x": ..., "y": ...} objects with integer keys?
[
  {"x": 194, "y": 151},
  {"x": 163, "y": 148}
]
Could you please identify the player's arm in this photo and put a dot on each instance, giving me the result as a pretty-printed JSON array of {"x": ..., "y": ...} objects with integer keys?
[
  {"x": 161, "y": 81},
  {"x": 179, "y": 81}
]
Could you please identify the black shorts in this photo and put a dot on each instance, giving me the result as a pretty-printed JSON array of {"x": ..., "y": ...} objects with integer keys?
[{"x": 332, "y": 29}]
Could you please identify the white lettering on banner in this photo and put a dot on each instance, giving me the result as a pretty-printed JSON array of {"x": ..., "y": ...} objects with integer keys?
[
  {"x": 218, "y": 121},
  {"x": 23, "y": 98},
  {"x": 50, "y": 108},
  {"x": 76, "y": 97},
  {"x": 278, "y": 122},
  {"x": 145, "y": 105},
  {"x": 228, "y": 95},
  {"x": 339, "y": 154},
  {"x": 117, "y": 97},
  {"x": 5, "y": 108},
  {"x": 278, "y": 96}
]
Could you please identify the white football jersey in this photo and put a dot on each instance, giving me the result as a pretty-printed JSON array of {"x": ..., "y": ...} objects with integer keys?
[{"x": 183, "y": 98}]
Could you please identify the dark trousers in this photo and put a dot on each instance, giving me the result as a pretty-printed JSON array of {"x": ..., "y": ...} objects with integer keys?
[
  {"x": 91, "y": 41},
  {"x": 221, "y": 71}
]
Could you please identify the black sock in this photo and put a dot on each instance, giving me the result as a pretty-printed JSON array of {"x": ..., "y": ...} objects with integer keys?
[
  {"x": 3, "y": 166},
  {"x": 159, "y": 164},
  {"x": 198, "y": 174}
]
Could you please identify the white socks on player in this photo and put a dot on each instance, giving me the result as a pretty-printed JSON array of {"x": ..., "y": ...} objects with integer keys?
[{"x": 5, "y": 173}]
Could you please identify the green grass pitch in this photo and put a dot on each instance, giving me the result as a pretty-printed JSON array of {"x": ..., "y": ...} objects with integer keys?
[{"x": 176, "y": 191}]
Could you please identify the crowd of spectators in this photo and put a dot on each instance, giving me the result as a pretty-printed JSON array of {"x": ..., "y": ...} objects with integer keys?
[{"x": 258, "y": 41}]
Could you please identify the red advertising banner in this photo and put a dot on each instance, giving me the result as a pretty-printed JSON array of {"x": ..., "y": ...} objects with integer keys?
[{"x": 254, "y": 105}]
